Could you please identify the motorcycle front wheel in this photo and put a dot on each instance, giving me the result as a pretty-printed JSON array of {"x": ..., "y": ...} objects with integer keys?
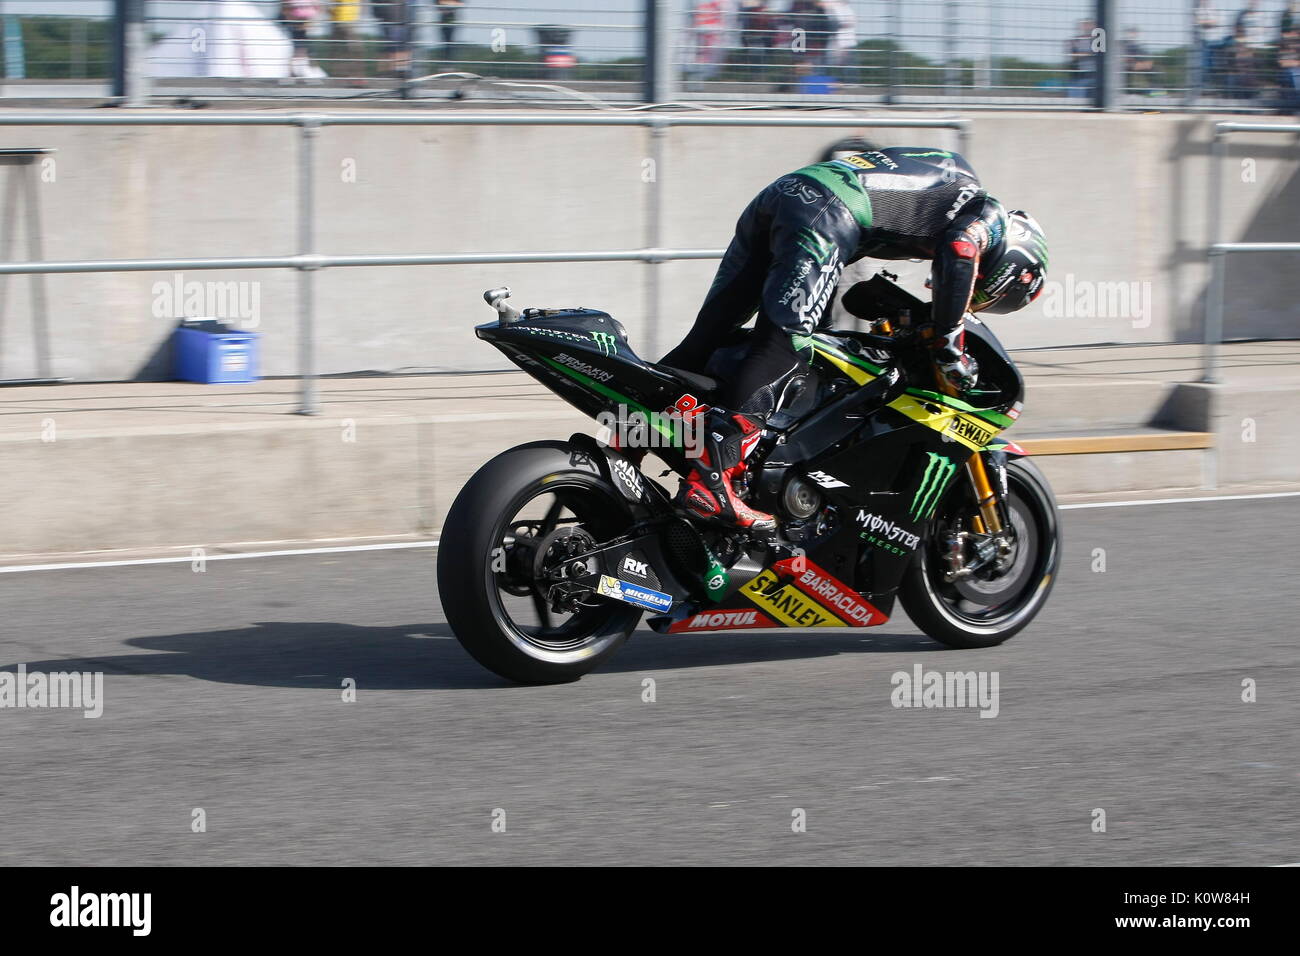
[{"x": 988, "y": 608}]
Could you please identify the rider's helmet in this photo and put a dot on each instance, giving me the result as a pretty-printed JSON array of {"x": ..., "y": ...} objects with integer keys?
[
  {"x": 1012, "y": 274},
  {"x": 847, "y": 147}
]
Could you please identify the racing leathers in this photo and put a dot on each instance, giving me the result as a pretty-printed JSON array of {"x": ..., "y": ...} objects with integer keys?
[{"x": 791, "y": 244}]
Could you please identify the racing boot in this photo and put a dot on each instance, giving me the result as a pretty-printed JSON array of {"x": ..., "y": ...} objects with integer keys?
[{"x": 726, "y": 442}]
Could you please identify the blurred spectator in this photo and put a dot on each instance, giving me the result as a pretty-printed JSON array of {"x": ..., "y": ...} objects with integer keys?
[
  {"x": 347, "y": 55},
  {"x": 797, "y": 23},
  {"x": 1288, "y": 60},
  {"x": 298, "y": 16},
  {"x": 1252, "y": 40},
  {"x": 707, "y": 30},
  {"x": 448, "y": 15},
  {"x": 1081, "y": 60},
  {"x": 1238, "y": 63},
  {"x": 1290, "y": 21},
  {"x": 757, "y": 32},
  {"x": 241, "y": 42},
  {"x": 1210, "y": 27},
  {"x": 822, "y": 30},
  {"x": 392, "y": 16},
  {"x": 1287, "y": 25},
  {"x": 1139, "y": 66},
  {"x": 812, "y": 30},
  {"x": 846, "y": 31}
]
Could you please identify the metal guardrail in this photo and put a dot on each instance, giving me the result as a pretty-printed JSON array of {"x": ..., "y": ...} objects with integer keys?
[
  {"x": 308, "y": 261},
  {"x": 1218, "y": 250}
]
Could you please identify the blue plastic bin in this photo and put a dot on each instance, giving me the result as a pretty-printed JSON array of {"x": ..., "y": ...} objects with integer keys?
[
  {"x": 212, "y": 353},
  {"x": 818, "y": 85}
]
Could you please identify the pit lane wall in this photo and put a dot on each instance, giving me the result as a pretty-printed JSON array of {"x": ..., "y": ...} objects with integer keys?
[{"x": 1122, "y": 197}]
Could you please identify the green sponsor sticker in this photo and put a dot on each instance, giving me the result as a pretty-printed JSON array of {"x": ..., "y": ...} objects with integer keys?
[{"x": 938, "y": 472}]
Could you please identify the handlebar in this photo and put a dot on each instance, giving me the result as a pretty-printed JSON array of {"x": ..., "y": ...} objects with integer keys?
[{"x": 900, "y": 338}]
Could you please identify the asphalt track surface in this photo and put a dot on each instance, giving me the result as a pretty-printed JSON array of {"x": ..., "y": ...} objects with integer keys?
[{"x": 223, "y": 691}]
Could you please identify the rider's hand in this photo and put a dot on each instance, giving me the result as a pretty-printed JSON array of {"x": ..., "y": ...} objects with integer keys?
[{"x": 960, "y": 369}]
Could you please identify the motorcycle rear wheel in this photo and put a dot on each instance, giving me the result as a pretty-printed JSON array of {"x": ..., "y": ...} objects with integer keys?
[{"x": 516, "y": 520}]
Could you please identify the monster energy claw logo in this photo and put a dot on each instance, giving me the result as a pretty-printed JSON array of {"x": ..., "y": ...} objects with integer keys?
[
  {"x": 938, "y": 472},
  {"x": 605, "y": 342}
]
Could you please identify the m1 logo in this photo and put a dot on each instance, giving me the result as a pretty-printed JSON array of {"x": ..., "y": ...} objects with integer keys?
[{"x": 826, "y": 481}]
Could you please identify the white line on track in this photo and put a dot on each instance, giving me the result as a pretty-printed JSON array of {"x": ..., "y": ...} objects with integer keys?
[
  {"x": 407, "y": 545},
  {"x": 1176, "y": 501},
  {"x": 243, "y": 556}
]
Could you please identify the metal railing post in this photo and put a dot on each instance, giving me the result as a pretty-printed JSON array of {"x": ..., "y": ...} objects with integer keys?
[
  {"x": 407, "y": 72},
  {"x": 36, "y": 250},
  {"x": 950, "y": 74},
  {"x": 135, "y": 43},
  {"x": 649, "y": 51},
  {"x": 130, "y": 40},
  {"x": 661, "y": 70},
  {"x": 308, "y": 127},
  {"x": 118, "y": 86},
  {"x": 891, "y": 56},
  {"x": 658, "y": 126},
  {"x": 1214, "y": 314},
  {"x": 1218, "y": 261},
  {"x": 1107, "y": 74}
]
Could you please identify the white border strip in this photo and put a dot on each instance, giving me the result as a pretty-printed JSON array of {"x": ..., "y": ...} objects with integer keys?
[
  {"x": 242, "y": 556},
  {"x": 1176, "y": 501},
  {"x": 433, "y": 543}
]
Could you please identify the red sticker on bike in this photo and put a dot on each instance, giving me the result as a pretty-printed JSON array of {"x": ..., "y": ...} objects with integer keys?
[
  {"x": 722, "y": 621},
  {"x": 830, "y": 592}
]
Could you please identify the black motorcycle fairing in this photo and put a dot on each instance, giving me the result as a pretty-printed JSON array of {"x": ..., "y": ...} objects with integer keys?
[
  {"x": 833, "y": 422},
  {"x": 601, "y": 377},
  {"x": 645, "y": 495},
  {"x": 996, "y": 368}
]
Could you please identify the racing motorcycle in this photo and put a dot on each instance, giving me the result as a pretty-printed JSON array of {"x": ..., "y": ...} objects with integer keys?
[{"x": 885, "y": 486}]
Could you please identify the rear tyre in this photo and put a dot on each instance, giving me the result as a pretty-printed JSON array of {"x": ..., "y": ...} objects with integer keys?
[
  {"x": 984, "y": 611},
  {"x": 521, "y": 517}
]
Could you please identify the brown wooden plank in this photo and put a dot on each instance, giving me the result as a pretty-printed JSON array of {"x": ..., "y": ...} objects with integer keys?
[{"x": 1101, "y": 444}]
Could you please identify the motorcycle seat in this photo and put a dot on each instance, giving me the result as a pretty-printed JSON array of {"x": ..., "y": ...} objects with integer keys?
[{"x": 704, "y": 383}]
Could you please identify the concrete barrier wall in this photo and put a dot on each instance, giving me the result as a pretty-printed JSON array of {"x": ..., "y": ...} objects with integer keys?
[{"x": 1122, "y": 198}]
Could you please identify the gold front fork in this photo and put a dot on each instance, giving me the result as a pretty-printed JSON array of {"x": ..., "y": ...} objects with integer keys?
[{"x": 988, "y": 521}]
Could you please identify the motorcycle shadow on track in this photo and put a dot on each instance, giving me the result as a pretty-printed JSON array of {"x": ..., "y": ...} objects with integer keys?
[
  {"x": 316, "y": 655},
  {"x": 306, "y": 654},
  {"x": 648, "y": 651}
]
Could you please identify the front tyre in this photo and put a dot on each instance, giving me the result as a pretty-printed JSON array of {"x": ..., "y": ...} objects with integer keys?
[
  {"x": 523, "y": 518},
  {"x": 985, "y": 611}
]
